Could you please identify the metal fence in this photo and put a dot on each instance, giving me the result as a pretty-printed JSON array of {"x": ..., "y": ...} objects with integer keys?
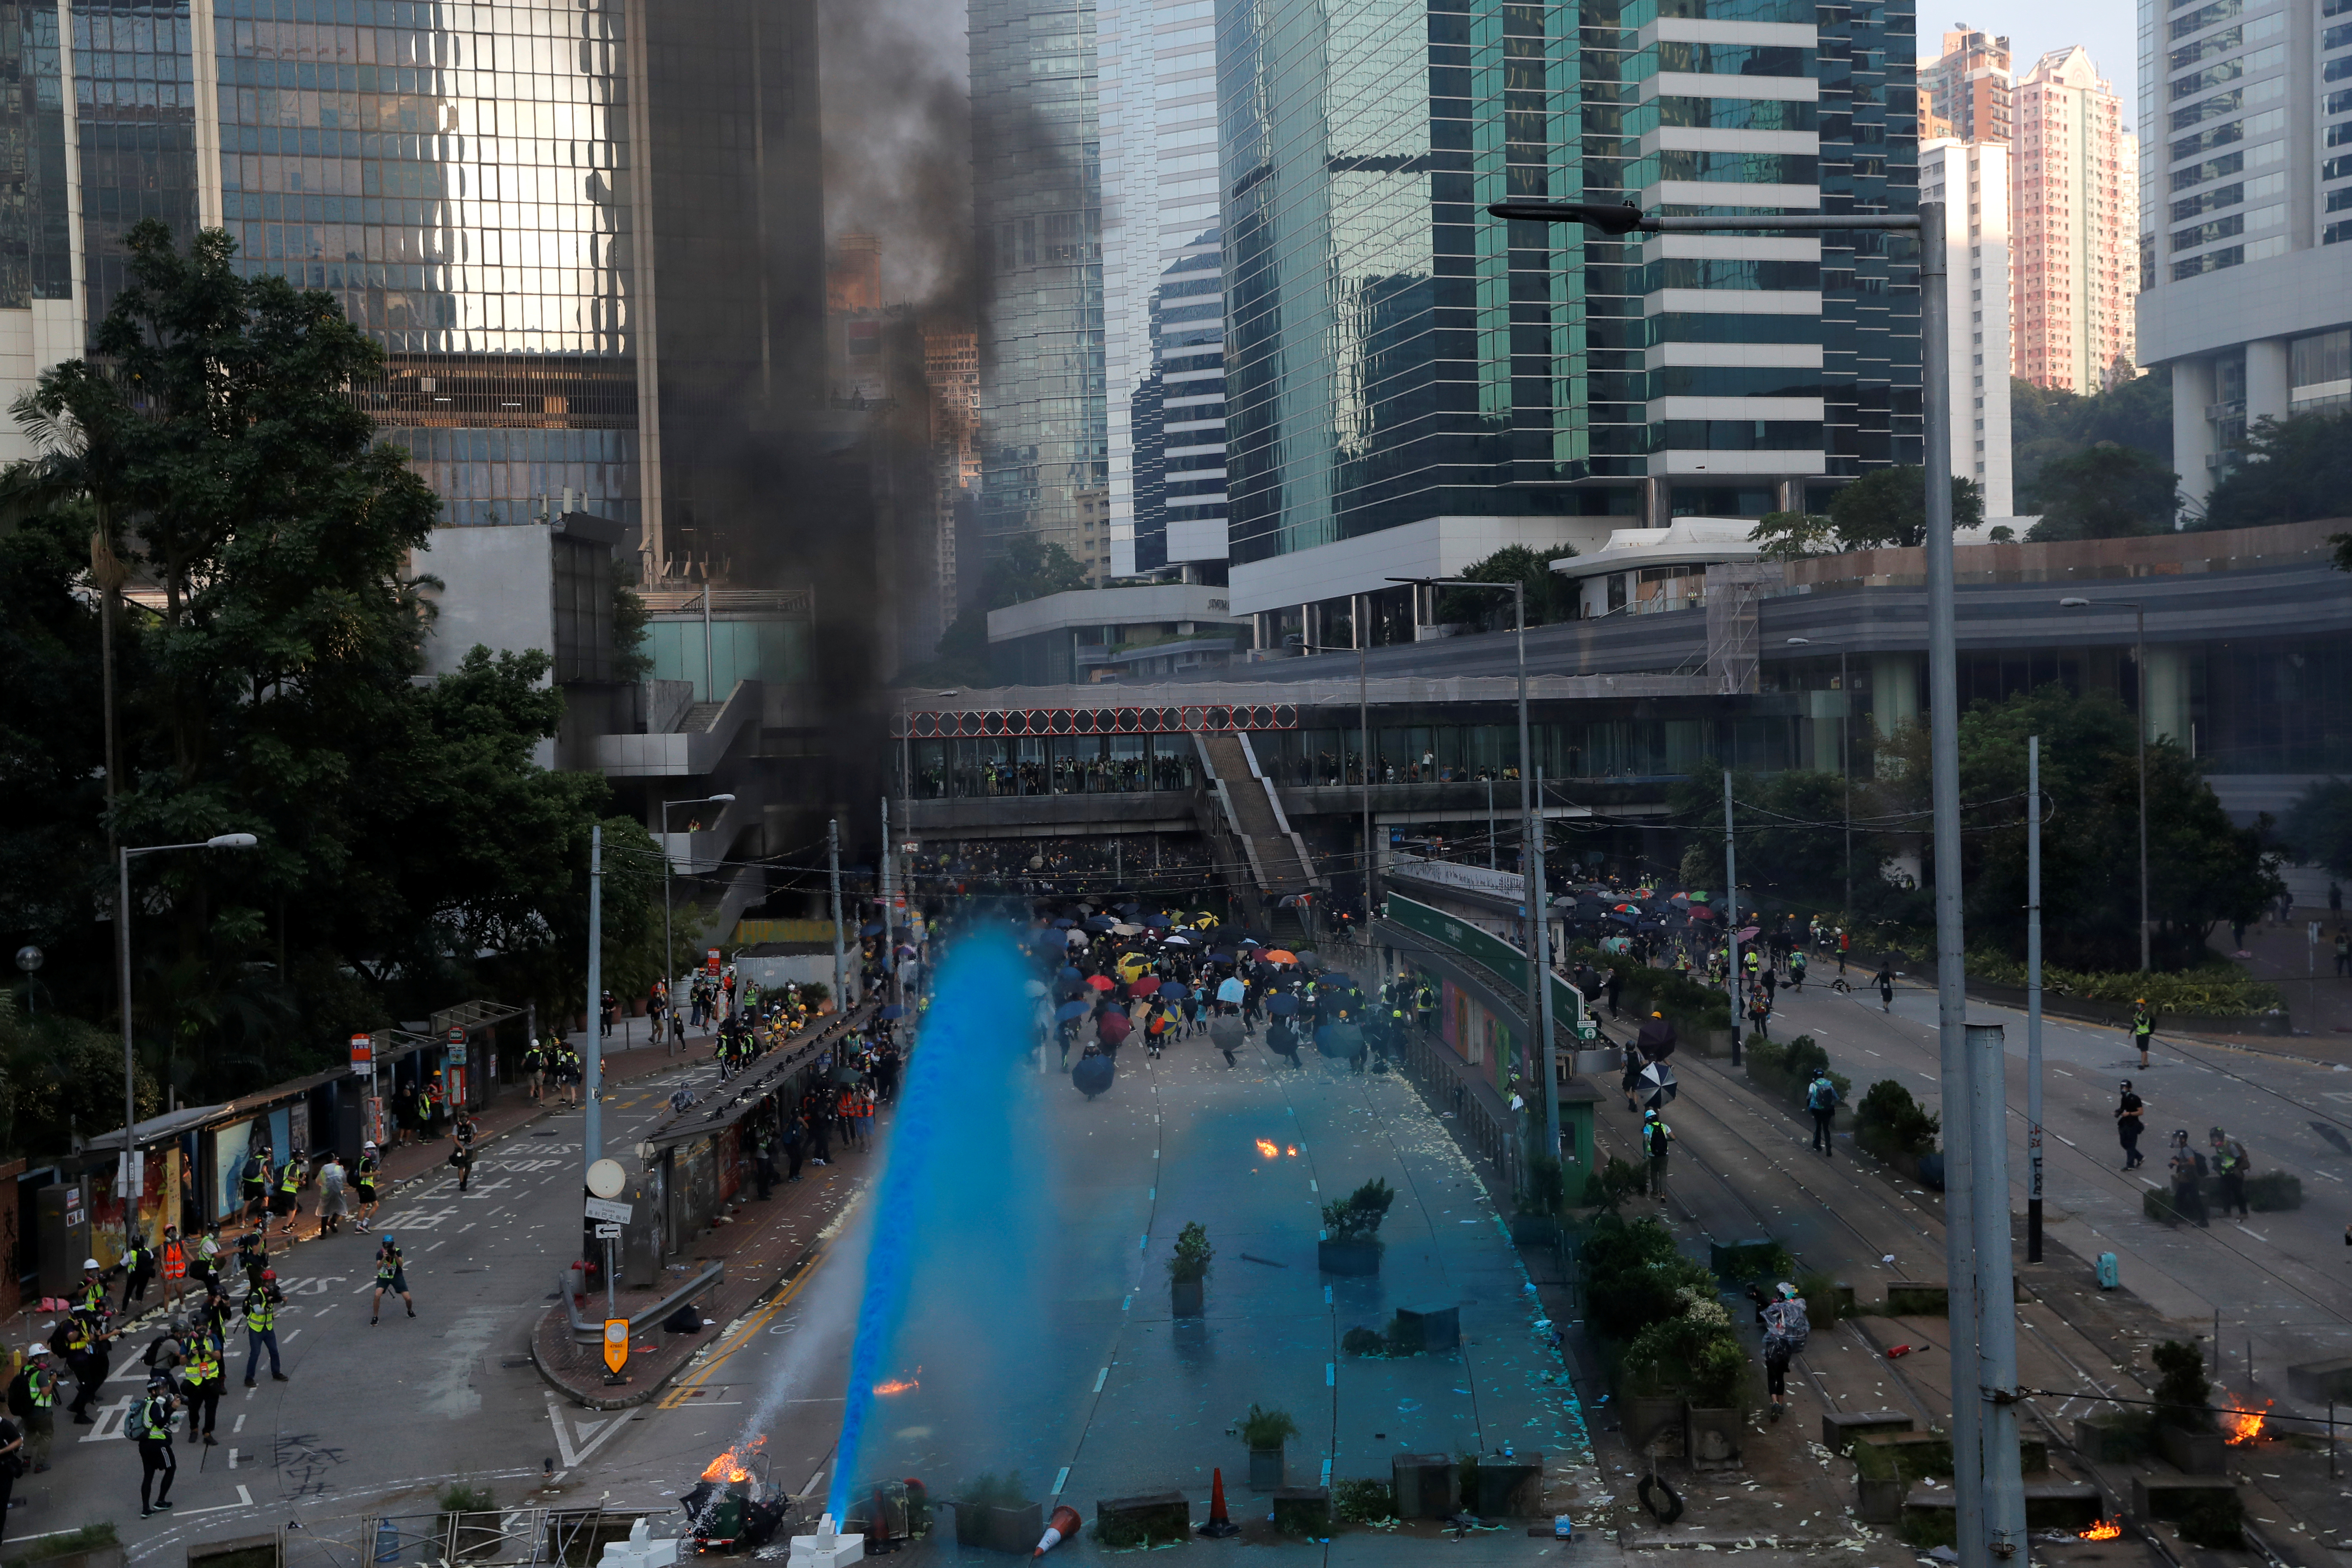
[{"x": 513, "y": 1537}]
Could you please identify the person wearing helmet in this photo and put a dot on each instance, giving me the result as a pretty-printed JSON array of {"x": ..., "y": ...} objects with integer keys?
[
  {"x": 389, "y": 1275},
  {"x": 204, "y": 1377},
  {"x": 261, "y": 1304},
  {"x": 151, "y": 1423},
  {"x": 33, "y": 1401},
  {"x": 1786, "y": 1329},
  {"x": 1657, "y": 1140},
  {"x": 2143, "y": 1029},
  {"x": 363, "y": 1179},
  {"x": 90, "y": 1295}
]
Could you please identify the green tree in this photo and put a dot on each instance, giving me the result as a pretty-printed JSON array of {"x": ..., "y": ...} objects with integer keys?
[
  {"x": 2105, "y": 493},
  {"x": 2290, "y": 470},
  {"x": 1550, "y": 597},
  {"x": 1027, "y": 569},
  {"x": 1886, "y": 506},
  {"x": 2320, "y": 825},
  {"x": 2049, "y": 423},
  {"x": 1791, "y": 839},
  {"x": 2204, "y": 870}
]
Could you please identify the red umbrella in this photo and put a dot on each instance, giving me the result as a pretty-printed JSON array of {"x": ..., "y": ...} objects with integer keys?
[
  {"x": 1101, "y": 982},
  {"x": 1112, "y": 1028},
  {"x": 1145, "y": 986}
]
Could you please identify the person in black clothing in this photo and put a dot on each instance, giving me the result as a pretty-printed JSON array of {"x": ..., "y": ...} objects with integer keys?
[
  {"x": 2131, "y": 1117},
  {"x": 1616, "y": 984},
  {"x": 763, "y": 1163},
  {"x": 12, "y": 1463},
  {"x": 151, "y": 1423},
  {"x": 795, "y": 1136},
  {"x": 139, "y": 1269}
]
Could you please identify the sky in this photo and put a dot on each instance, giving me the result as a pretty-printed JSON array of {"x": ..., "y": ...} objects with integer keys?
[{"x": 2109, "y": 28}]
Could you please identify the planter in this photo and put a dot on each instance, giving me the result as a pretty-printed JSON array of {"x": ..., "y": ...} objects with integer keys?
[
  {"x": 1186, "y": 1297},
  {"x": 1534, "y": 1230},
  {"x": 1303, "y": 1511},
  {"x": 1434, "y": 1330},
  {"x": 2192, "y": 1453},
  {"x": 471, "y": 1537},
  {"x": 1712, "y": 1440},
  {"x": 1507, "y": 1489},
  {"x": 96, "y": 1557},
  {"x": 1123, "y": 1523},
  {"x": 1013, "y": 1529},
  {"x": 236, "y": 1551},
  {"x": 1879, "y": 1500},
  {"x": 1348, "y": 1256},
  {"x": 1264, "y": 1469},
  {"x": 1425, "y": 1485},
  {"x": 1644, "y": 1416}
]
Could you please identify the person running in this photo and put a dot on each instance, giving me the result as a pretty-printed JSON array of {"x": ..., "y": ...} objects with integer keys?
[
  {"x": 2231, "y": 1165},
  {"x": 1786, "y": 1329},
  {"x": 138, "y": 1270},
  {"x": 173, "y": 1255},
  {"x": 208, "y": 1254},
  {"x": 363, "y": 1180},
  {"x": 2131, "y": 1115},
  {"x": 390, "y": 1275},
  {"x": 287, "y": 1201},
  {"x": 261, "y": 1304},
  {"x": 2143, "y": 1030},
  {"x": 1821, "y": 1099},
  {"x": 461, "y": 1151},
  {"x": 1797, "y": 962},
  {"x": 203, "y": 1376},
  {"x": 1885, "y": 981},
  {"x": 253, "y": 1182},
  {"x": 151, "y": 1423}
]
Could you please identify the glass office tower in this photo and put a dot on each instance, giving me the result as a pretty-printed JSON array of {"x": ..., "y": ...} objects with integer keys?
[
  {"x": 1038, "y": 234},
  {"x": 1396, "y": 358}
]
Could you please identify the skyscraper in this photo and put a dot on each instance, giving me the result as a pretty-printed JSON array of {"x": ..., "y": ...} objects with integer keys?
[
  {"x": 2245, "y": 125},
  {"x": 574, "y": 227},
  {"x": 1164, "y": 284},
  {"x": 1971, "y": 178},
  {"x": 2075, "y": 200},
  {"x": 1968, "y": 86},
  {"x": 1038, "y": 234},
  {"x": 1401, "y": 365}
]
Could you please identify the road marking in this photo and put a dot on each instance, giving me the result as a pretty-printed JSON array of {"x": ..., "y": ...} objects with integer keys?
[
  {"x": 1330, "y": 1374},
  {"x": 1143, "y": 1242},
  {"x": 1125, "y": 1302},
  {"x": 327, "y": 1309},
  {"x": 244, "y": 1500},
  {"x": 238, "y": 1427},
  {"x": 1061, "y": 1481},
  {"x": 232, "y": 1459},
  {"x": 1311, "y": 1186},
  {"x": 1100, "y": 1378},
  {"x": 593, "y": 1434}
]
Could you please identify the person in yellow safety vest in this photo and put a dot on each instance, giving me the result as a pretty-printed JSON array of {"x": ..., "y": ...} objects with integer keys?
[
  {"x": 33, "y": 1400},
  {"x": 363, "y": 1180},
  {"x": 261, "y": 1327},
  {"x": 151, "y": 1424},
  {"x": 390, "y": 1275},
  {"x": 202, "y": 1381},
  {"x": 90, "y": 1295},
  {"x": 284, "y": 1201}
]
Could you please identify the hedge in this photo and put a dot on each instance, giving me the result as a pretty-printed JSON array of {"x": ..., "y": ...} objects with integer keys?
[
  {"x": 1690, "y": 1004},
  {"x": 1786, "y": 1071},
  {"x": 2214, "y": 990}
]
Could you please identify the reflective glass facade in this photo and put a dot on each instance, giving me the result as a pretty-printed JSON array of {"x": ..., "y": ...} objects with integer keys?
[
  {"x": 1038, "y": 213},
  {"x": 1164, "y": 282}
]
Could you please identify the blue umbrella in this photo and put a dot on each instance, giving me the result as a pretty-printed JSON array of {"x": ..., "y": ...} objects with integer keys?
[
  {"x": 871, "y": 928},
  {"x": 1282, "y": 1006},
  {"x": 1093, "y": 1075},
  {"x": 1069, "y": 972},
  {"x": 1065, "y": 923},
  {"x": 1069, "y": 1010},
  {"x": 1221, "y": 958},
  {"x": 1173, "y": 992},
  {"x": 892, "y": 1011},
  {"x": 1621, "y": 915},
  {"x": 1160, "y": 921},
  {"x": 1099, "y": 923}
]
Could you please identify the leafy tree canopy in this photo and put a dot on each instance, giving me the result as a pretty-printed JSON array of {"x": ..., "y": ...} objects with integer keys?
[
  {"x": 1886, "y": 506},
  {"x": 2106, "y": 492},
  {"x": 1550, "y": 597},
  {"x": 2320, "y": 825},
  {"x": 2049, "y": 423},
  {"x": 2204, "y": 870},
  {"x": 214, "y": 453},
  {"x": 2290, "y": 471}
]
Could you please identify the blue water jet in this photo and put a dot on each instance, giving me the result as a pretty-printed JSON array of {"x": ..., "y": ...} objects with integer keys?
[{"x": 952, "y": 1175}]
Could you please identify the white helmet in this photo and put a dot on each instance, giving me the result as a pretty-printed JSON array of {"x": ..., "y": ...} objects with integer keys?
[{"x": 89, "y": 1263}]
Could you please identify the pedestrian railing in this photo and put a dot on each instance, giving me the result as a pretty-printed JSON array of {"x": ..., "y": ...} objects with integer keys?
[{"x": 509, "y": 1537}]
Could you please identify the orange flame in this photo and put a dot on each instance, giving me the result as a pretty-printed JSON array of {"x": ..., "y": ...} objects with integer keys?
[
  {"x": 1292, "y": 1151},
  {"x": 897, "y": 1385},
  {"x": 2103, "y": 1530},
  {"x": 2243, "y": 1426},
  {"x": 727, "y": 1468},
  {"x": 1268, "y": 1148}
]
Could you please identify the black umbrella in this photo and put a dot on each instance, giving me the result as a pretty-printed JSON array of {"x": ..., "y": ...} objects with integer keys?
[
  {"x": 1282, "y": 1006},
  {"x": 1341, "y": 1041},
  {"x": 1093, "y": 1075},
  {"x": 1658, "y": 1085},
  {"x": 847, "y": 1075},
  {"x": 1657, "y": 1040}
]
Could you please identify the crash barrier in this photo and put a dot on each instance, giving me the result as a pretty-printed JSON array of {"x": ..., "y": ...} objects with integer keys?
[{"x": 587, "y": 1333}]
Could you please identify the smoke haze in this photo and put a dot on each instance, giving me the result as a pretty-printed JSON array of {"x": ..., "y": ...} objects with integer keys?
[{"x": 898, "y": 142}]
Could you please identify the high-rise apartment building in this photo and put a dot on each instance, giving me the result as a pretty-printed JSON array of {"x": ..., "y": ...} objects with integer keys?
[
  {"x": 1414, "y": 385},
  {"x": 2245, "y": 125},
  {"x": 951, "y": 367},
  {"x": 1971, "y": 179},
  {"x": 1164, "y": 285},
  {"x": 1037, "y": 215},
  {"x": 1968, "y": 86},
  {"x": 2076, "y": 205}
]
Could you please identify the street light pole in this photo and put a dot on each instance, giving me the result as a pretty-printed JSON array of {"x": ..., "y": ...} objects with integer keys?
[
  {"x": 832, "y": 867},
  {"x": 1990, "y": 1519},
  {"x": 2033, "y": 998},
  {"x": 2139, "y": 727},
  {"x": 670, "y": 946},
  {"x": 122, "y": 957},
  {"x": 1731, "y": 917}
]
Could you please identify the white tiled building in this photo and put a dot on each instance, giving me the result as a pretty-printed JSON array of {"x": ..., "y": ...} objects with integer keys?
[{"x": 1971, "y": 178}]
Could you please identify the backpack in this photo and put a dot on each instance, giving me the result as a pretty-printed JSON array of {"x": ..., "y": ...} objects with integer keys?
[
  {"x": 1822, "y": 1096},
  {"x": 1787, "y": 1321},
  {"x": 1658, "y": 1136}
]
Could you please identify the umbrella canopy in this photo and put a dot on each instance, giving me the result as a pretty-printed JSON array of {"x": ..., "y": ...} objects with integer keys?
[
  {"x": 1146, "y": 985},
  {"x": 1657, "y": 1040},
  {"x": 1222, "y": 1030},
  {"x": 1626, "y": 908},
  {"x": 1035, "y": 988},
  {"x": 847, "y": 1075},
  {"x": 1126, "y": 928},
  {"x": 1113, "y": 1028},
  {"x": 1173, "y": 992},
  {"x": 1340, "y": 979},
  {"x": 1701, "y": 913},
  {"x": 1093, "y": 1075},
  {"x": 871, "y": 928},
  {"x": 1203, "y": 920},
  {"x": 1101, "y": 982},
  {"x": 1159, "y": 922},
  {"x": 1100, "y": 923},
  {"x": 1658, "y": 1085},
  {"x": 1309, "y": 959},
  {"x": 1339, "y": 1040},
  {"x": 1178, "y": 939},
  {"x": 1221, "y": 958},
  {"x": 1698, "y": 896},
  {"x": 1065, "y": 923},
  {"x": 1283, "y": 1005},
  {"x": 1624, "y": 917},
  {"x": 1069, "y": 1010},
  {"x": 1279, "y": 955},
  {"x": 892, "y": 1011},
  {"x": 1747, "y": 933},
  {"x": 1068, "y": 972}
]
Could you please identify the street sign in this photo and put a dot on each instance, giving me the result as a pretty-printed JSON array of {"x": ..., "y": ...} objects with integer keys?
[
  {"x": 457, "y": 1056},
  {"x": 364, "y": 1055},
  {"x": 606, "y": 1209},
  {"x": 456, "y": 1037},
  {"x": 710, "y": 964},
  {"x": 608, "y": 1231},
  {"x": 130, "y": 1175},
  {"x": 607, "y": 1179},
  {"x": 616, "y": 1344}
]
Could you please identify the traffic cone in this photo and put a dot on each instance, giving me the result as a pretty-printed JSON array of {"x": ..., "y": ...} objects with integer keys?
[
  {"x": 1060, "y": 1528},
  {"x": 1219, "y": 1525}
]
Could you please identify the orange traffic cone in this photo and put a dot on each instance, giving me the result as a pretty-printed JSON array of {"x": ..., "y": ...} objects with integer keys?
[
  {"x": 1060, "y": 1528},
  {"x": 1219, "y": 1525}
]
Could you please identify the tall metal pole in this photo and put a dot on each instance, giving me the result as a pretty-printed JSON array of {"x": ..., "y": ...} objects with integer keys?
[
  {"x": 709, "y": 664},
  {"x": 1531, "y": 879},
  {"x": 833, "y": 867},
  {"x": 890, "y": 910},
  {"x": 129, "y": 1060},
  {"x": 669, "y": 944},
  {"x": 1731, "y": 914},
  {"x": 2139, "y": 656},
  {"x": 1551, "y": 1036},
  {"x": 1996, "y": 1294},
  {"x": 2033, "y": 998},
  {"x": 1492, "y": 844},
  {"x": 1363, "y": 723},
  {"x": 1845, "y": 773},
  {"x": 592, "y": 1144}
]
